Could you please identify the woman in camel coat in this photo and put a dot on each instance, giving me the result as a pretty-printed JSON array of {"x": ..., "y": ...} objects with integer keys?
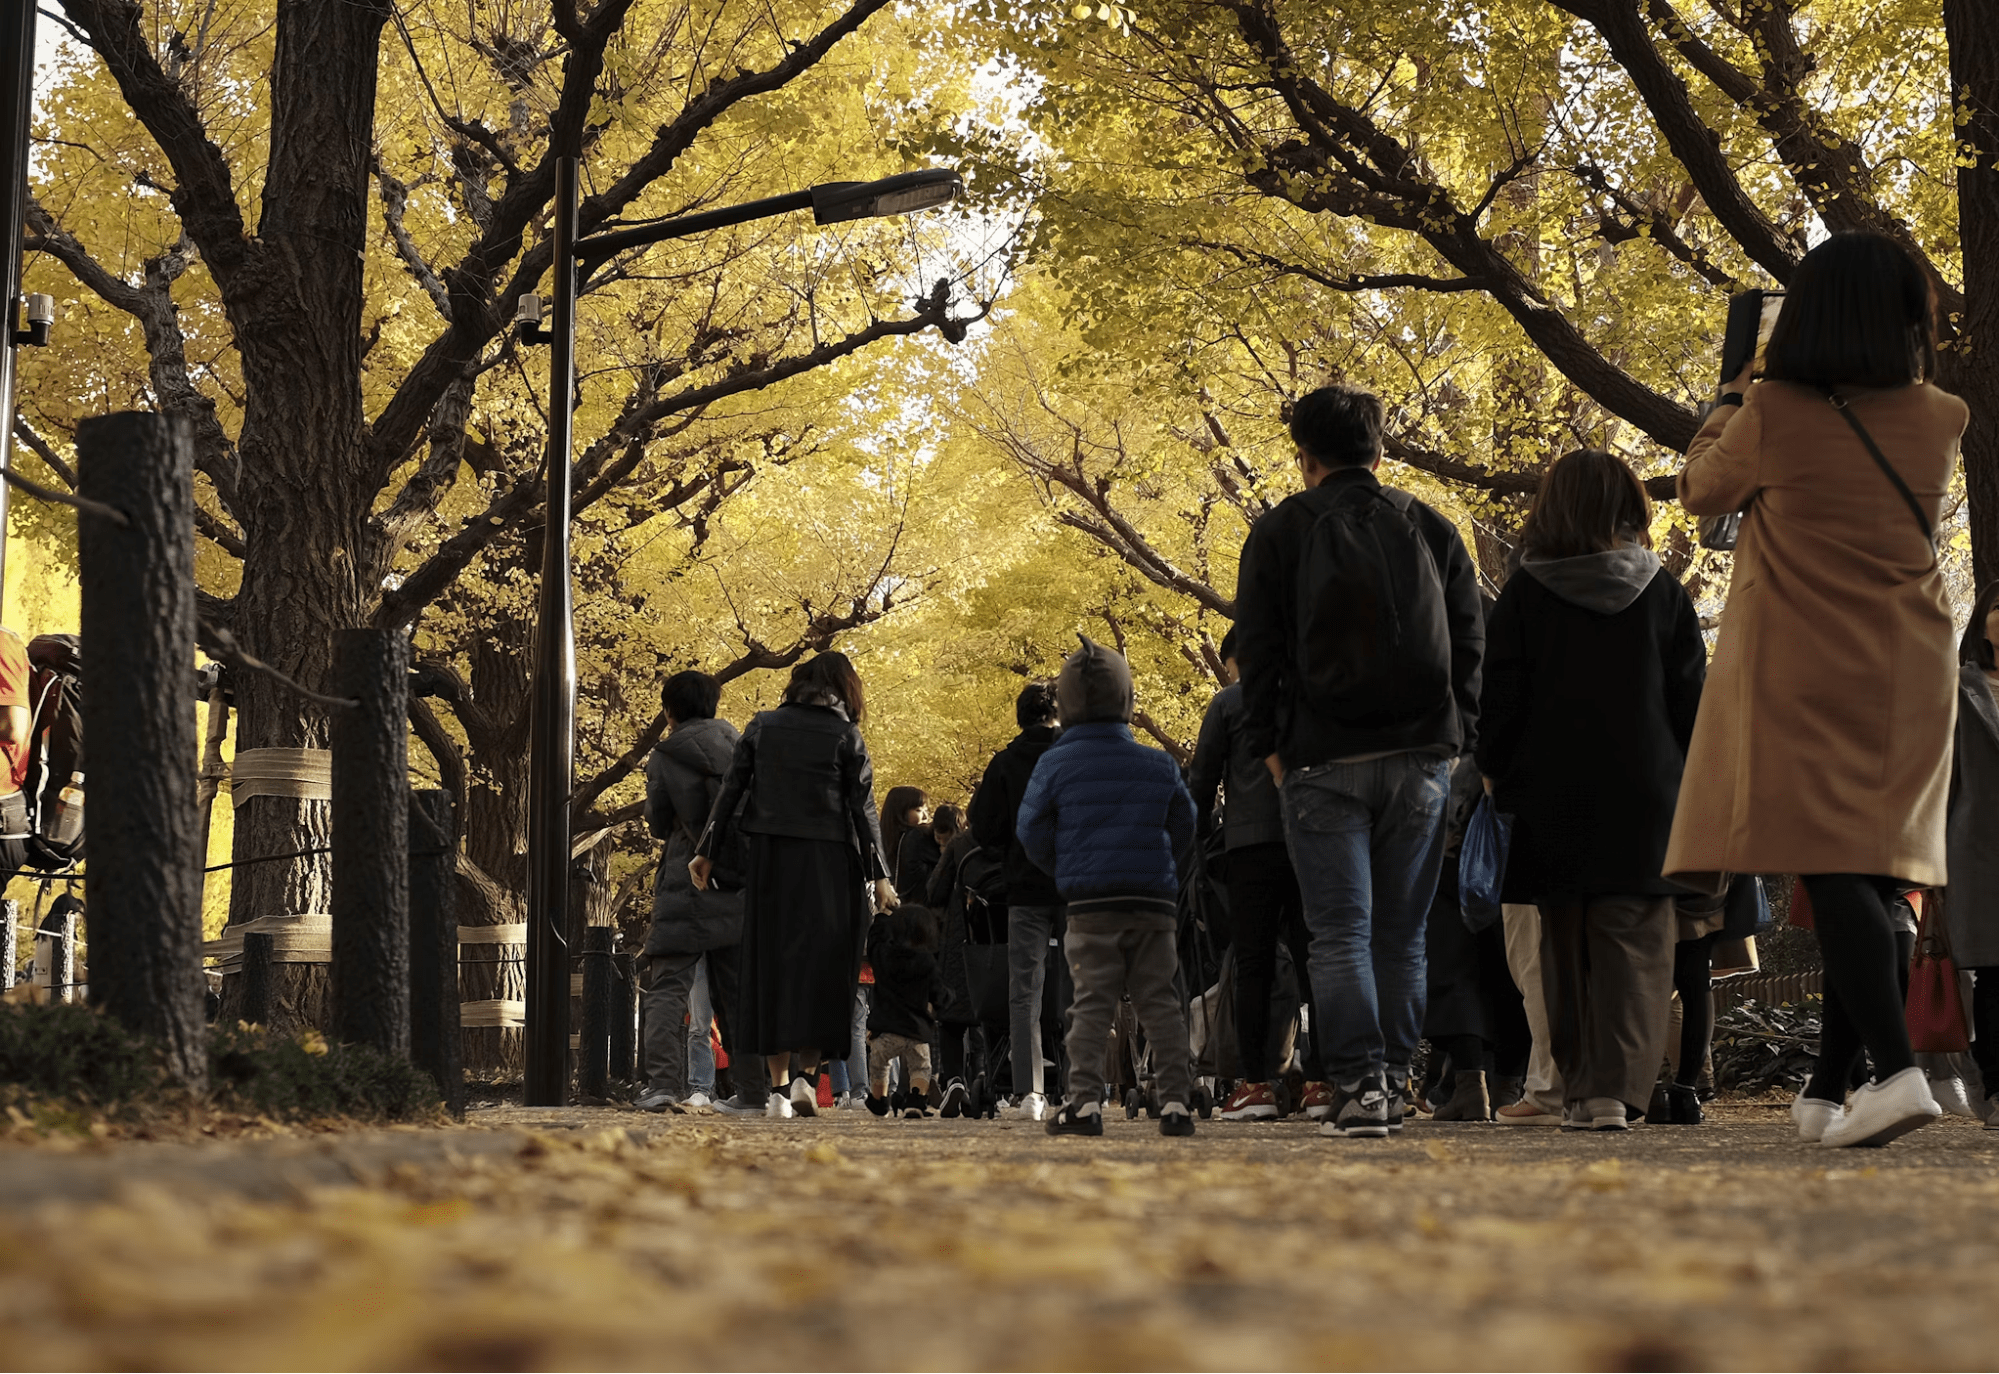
[{"x": 1824, "y": 738}]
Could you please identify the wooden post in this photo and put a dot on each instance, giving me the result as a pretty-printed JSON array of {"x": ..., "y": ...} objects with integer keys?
[
  {"x": 371, "y": 899},
  {"x": 143, "y": 878},
  {"x": 213, "y": 770},
  {"x": 593, "y": 1057},
  {"x": 10, "y": 935},
  {"x": 624, "y": 1020},
  {"x": 259, "y": 955},
  {"x": 61, "y": 925},
  {"x": 434, "y": 946}
]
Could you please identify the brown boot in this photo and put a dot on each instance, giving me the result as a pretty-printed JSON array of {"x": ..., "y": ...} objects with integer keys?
[{"x": 1468, "y": 1100}]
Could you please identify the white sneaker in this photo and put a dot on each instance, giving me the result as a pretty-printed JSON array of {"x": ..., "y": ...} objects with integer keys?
[
  {"x": 778, "y": 1106},
  {"x": 1606, "y": 1114},
  {"x": 804, "y": 1097},
  {"x": 698, "y": 1101},
  {"x": 1812, "y": 1115},
  {"x": 1034, "y": 1107},
  {"x": 852, "y": 1101},
  {"x": 1881, "y": 1112},
  {"x": 1951, "y": 1096}
]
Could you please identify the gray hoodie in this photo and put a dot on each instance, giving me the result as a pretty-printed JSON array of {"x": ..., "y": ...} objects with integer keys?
[
  {"x": 1094, "y": 685},
  {"x": 1604, "y": 582}
]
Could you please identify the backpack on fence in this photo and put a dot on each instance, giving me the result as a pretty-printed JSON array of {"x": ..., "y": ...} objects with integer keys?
[
  {"x": 1374, "y": 647},
  {"x": 54, "y": 785}
]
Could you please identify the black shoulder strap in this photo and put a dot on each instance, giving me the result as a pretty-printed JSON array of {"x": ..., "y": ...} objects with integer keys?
[{"x": 1874, "y": 451}]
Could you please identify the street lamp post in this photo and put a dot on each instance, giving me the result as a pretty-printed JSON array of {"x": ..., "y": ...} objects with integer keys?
[{"x": 552, "y": 724}]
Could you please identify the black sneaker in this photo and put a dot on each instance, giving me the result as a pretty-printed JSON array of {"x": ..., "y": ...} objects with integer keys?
[
  {"x": 1398, "y": 1106},
  {"x": 878, "y": 1105},
  {"x": 1069, "y": 1121},
  {"x": 1362, "y": 1112},
  {"x": 955, "y": 1100},
  {"x": 1176, "y": 1120}
]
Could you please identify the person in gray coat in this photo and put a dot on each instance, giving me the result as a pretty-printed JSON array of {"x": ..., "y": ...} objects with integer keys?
[
  {"x": 689, "y": 928},
  {"x": 1971, "y": 906}
]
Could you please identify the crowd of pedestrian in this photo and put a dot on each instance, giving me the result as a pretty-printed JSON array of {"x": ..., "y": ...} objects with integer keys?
[{"x": 1381, "y": 726}]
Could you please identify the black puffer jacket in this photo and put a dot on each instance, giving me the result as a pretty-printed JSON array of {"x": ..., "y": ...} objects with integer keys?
[
  {"x": 682, "y": 779},
  {"x": 909, "y": 991},
  {"x": 995, "y": 813}
]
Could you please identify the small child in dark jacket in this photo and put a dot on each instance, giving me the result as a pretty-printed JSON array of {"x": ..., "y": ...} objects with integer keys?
[
  {"x": 902, "y": 949},
  {"x": 1108, "y": 817}
]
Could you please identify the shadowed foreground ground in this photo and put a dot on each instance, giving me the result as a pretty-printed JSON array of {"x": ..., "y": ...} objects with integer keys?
[{"x": 601, "y": 1239}]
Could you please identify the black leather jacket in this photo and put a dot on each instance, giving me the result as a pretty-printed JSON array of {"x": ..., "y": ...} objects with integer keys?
[
  {"x": 801, "y": 771},
  {"x": 1223, "y": 759}
]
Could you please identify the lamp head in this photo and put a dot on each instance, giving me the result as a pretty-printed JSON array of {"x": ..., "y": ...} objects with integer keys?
[
  {"x": 838, "y": 201},
  {"x": 528, "y": 309},
  {"x": 41, "y": 309}
]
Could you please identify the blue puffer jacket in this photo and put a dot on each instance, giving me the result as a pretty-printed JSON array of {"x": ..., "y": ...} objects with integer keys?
[{"x": 1106, "y": 815}]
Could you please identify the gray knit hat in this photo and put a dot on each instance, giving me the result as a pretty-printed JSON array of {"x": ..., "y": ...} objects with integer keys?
[{"x": 1094, "y": 685}]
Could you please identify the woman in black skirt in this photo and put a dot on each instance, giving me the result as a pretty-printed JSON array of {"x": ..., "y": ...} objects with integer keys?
[{"x": 798, "y": 804}]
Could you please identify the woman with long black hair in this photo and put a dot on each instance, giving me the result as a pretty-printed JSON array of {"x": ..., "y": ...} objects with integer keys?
[
  {"x": 800, "y": 790},
  {"x": 1824, "y": 741}
]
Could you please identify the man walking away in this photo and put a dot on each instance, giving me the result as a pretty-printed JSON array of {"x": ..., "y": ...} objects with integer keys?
[
  {"x": 1033, "y": 907},
  {"x": 1360, "y": 641},
  {"x": 683, "y": 774},
  {"x": 1264, "y": 906},
  {"x": 1108, "y": 817}
]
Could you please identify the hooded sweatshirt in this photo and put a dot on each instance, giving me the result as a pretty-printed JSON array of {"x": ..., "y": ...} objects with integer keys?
[{"x": 1604, "y": 582}]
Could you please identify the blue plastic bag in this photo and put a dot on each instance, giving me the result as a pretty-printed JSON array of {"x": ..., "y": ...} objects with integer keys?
[{"x": 1482, "y": 864}]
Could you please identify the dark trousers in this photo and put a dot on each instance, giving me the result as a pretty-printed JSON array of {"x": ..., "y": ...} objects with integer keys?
[
  {"x": 1985, "y": 1023},
  {"x": 1108, "y": 959},
  {"x": 669, "y": 981},
  {"x": 1264, "y": 907},
  {"x": 1866, "y": 980},
  {"x": 1693, "y": 979},
  {"x": 1607, "y": 971}
]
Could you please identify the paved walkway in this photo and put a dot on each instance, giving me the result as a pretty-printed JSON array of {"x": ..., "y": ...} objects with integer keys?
[{"x": 602, "y": 1239}]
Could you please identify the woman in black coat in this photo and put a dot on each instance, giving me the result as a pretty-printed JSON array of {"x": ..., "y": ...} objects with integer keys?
[
  {"x": 800, "y": 788},
  {"x": 1593, "y": 671}
]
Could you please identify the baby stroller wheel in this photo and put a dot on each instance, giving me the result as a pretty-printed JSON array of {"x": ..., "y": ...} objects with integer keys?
[
  {"x": 1204, "y": 1103},
  {"x": 1152, "y": 1103},
  {"x": 1131, "y": 1104},
  {"x": 976, "y": 1094}
]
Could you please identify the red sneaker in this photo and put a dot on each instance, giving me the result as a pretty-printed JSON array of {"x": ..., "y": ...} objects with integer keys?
[
  {"x": 1317, "y": 1102},
  {"x": 1250, "y": 1102}
]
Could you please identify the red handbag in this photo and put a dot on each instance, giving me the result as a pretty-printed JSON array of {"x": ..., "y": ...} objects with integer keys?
[{"x": 1935, "y": 1006}]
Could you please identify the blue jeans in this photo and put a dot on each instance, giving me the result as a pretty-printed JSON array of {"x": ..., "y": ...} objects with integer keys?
[
  {"x": 1367, "y": 841},
  {"x": 700, "y": 1048}
]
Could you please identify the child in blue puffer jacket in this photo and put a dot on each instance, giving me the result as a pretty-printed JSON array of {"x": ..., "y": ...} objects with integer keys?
[{"x": 1107, "y": 816}]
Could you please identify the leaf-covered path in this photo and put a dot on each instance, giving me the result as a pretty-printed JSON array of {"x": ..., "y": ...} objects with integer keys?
[{"x": 603, "y": 1239}]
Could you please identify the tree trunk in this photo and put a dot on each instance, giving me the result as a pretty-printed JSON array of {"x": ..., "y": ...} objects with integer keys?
[
  {"x": 496, "y": 837},
  {"x": 304, "y": 493},
  {"x": 1972, "y": 368}
]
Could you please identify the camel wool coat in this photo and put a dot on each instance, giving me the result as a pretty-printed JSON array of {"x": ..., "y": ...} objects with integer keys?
[{"x": 1824, "y": 736}]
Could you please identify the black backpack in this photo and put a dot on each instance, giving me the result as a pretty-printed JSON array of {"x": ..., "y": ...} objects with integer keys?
[
  {"x": 1374, "y": 645},
  {"x": 54, "y": 785}
]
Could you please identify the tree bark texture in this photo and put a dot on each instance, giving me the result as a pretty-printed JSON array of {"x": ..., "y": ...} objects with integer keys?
[
  {"x": 1972, "y": 367},
  {"x": 143, "y": 877},
  {"x": 371, "y": 917},
  {"x": 259, "y": 959},
  {"x": 434, "y": 946}
]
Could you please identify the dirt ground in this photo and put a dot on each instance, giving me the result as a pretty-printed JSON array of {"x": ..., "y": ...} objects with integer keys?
[{"x": 603, "y": 1239}]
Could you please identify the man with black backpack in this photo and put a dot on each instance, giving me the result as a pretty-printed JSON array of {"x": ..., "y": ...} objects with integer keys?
[
  {"x": 1034, "y": 907},
  {"x": 1360, "y": 642}
]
